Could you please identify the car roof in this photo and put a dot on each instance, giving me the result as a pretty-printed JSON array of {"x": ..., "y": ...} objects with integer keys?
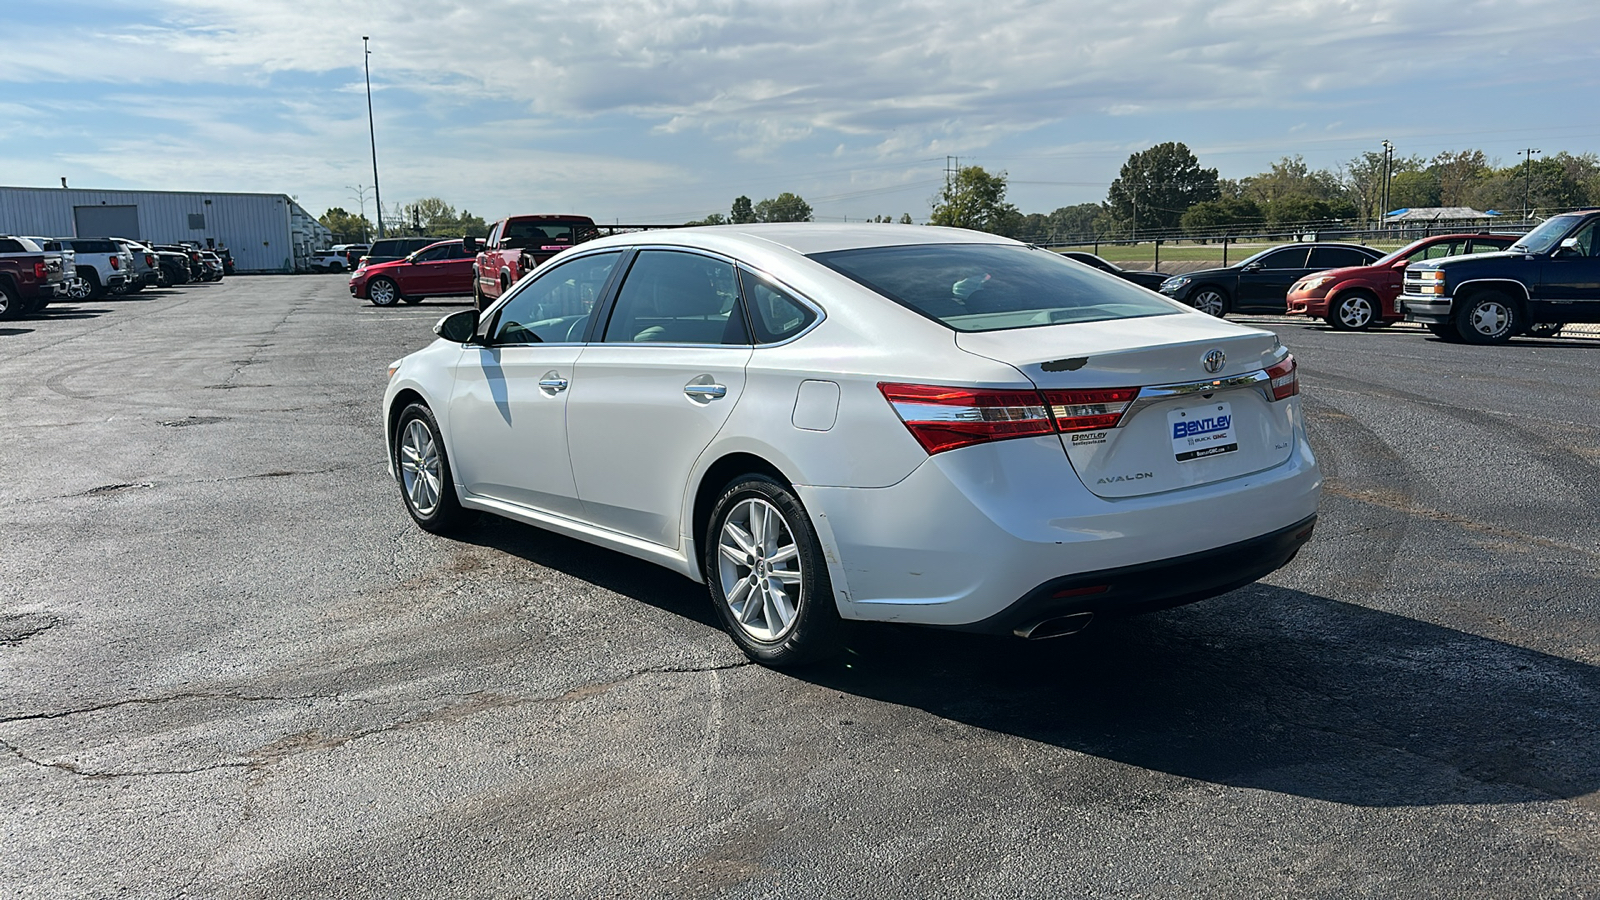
[{"x": 805, "y": 238}]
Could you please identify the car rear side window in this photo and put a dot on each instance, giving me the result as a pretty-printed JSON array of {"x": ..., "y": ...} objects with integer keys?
[
  {"x": 677, "y": 298},
  {"x": 993, "y": 287},
  {"x": 556, "y": 307},
  {"x": 774, "y": 314},
  {"x": 7, "y": 245},
  {"x": 1337, "y": 258}
]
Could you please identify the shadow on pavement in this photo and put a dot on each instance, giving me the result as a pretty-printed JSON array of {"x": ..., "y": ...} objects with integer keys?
[
  {"x": 1263, "y": 688},
  {"x": 7, "y": 332}
]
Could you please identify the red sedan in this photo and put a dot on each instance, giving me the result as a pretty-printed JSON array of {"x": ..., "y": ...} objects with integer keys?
[
  {"x": 1358, "y": 297},
  {"x": 443, "y": 269}
]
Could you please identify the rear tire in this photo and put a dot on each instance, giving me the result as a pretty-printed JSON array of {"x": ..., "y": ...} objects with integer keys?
[
  {"x": 11, "y": 305},
  {"x": 423, "y": 470},
  {"x": 1353, "y": 311},
  {"x": 383, "y": 292},
  {"x": 96, "y": 289},
  {"x": 1489, "y": 317},
  {"x": 767, "y": 576}
]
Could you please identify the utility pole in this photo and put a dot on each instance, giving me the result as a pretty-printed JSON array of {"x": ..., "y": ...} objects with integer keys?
[
  {"x": 360, "y": 196},
  {"x": 1527, "y": 182},
  {"x": 1383, "y": 194},
  {"x": 372, "y": 131}
]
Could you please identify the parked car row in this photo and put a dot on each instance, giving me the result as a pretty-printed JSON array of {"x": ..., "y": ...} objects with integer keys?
[
  {"x": 1479, "y": 288},
  {"x": 35, "y": 271}
]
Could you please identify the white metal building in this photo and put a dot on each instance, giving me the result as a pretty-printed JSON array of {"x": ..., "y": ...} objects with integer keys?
[{"x": 265, "y": 232}]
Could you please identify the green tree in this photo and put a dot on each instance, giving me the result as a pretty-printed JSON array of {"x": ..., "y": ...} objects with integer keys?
[
  {"x": 905, "y": 218},
  {"x": 786, "y": 207},
  {"x": 347, "y": 227},
  {"x": 1156, "y": 187},
  {"x": 977, "y": 200},
  {"x": 713, "y": 219},
  {"x": 1414, "y": 190},
  {"x": 1458, "y": 174},
  {"x": 1073, "y": 223},
  {"x": 742, "y": 213},
  {"x": 1223, "y": 216}
]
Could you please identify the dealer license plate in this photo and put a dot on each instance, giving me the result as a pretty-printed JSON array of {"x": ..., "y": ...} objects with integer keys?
[{"x": 1201, "y": 431}]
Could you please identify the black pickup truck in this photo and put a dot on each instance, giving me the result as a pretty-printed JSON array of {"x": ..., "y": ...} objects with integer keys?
[{"x": 1548, "y": 278}]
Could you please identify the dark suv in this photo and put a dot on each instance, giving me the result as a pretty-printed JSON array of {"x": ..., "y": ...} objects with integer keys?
[
  {"x": 1260, "y": 283},
  {"x": 386, "y": 249},
  {"x": 1548, "y": 278}
]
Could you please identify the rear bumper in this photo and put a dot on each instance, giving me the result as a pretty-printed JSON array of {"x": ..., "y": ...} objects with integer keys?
[
  {"x": 974, "y": 532},
  {"x": 1150, "y": 586},
  {"x": 1428, "y": 310}
]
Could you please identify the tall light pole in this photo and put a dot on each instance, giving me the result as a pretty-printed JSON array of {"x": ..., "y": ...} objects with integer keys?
[
  {"x": 1527, "y": 183},
  {"x": 360, "y": 196},
  {"x": 1388, "y": 167},
  {"x": 372, "y": 131}
]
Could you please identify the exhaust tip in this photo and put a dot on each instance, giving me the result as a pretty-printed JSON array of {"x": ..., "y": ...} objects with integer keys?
[{"x": 1060, "y": 626}]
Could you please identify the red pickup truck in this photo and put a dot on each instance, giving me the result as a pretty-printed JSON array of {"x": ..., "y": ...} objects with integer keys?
[
  {"x": 28, "y": 276},
  {"x": 516, "y": 245}
]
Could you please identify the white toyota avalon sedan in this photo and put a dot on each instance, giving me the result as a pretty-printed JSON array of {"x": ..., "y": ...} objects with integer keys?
[{"x": 867, "y": 422}]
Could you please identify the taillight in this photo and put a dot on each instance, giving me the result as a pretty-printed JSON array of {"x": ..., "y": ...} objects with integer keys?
[
  {"x": 1285, "y": 380},
  {"x": 150, "y": 260},
  {"x": 116, "y": 262},
  {"x": 41, "y": 271},
  {"x": 1088, "y": 410},
  {"x": 944, "y": 418}
]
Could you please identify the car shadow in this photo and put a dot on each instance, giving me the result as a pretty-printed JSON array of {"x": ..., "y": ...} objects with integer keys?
[
  {"x": 1264, "y": 688},
  {"x": 7, "y": 332}
]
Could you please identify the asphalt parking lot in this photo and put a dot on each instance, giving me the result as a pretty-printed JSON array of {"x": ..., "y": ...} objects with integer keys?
[{"x": 233, "y": 668}]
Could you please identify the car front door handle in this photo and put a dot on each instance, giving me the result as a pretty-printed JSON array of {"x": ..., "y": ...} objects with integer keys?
[
  {"x": 706, "y": 391},
  {"x": 552, "y": 383}
]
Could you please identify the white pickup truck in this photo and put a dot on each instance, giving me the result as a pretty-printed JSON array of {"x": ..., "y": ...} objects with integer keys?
[
  {"x": 338, "y": 258},
  {"x": 105, "y": 265}
]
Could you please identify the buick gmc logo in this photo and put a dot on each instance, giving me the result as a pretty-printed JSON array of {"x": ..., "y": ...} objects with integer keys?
[{"x": 1214, "y": 360}]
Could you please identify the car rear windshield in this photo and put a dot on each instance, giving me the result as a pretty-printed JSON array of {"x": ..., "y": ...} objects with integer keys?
[
  {"x": 84, "y": 245},
  {"x": 994, "y": 287}
]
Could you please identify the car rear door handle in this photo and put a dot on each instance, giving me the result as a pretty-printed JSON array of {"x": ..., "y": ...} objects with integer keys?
[{"x": 706, "y": 391}]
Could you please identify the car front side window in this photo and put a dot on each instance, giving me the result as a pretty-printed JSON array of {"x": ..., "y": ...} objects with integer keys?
[
  {"x": 556, "y": 307},
  {"x": 678, "y": 298}
]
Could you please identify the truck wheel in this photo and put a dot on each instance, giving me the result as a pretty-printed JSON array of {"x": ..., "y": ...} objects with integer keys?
[
  {"x": 78, "y": 288},
  {"x": 10, "y": 305},
  {"x": 477, "y": 295},
  {"x": 1487, "y": 318},
  {"x": 1544, "y": 329},
  {"x": 383, "y": 292},
  {"x": 1353, "y": 311},
  {"x": 92, "y": 279}
]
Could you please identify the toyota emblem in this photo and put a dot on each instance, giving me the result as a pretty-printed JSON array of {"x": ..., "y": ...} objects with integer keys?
[{"x": 1213, "y": 361}]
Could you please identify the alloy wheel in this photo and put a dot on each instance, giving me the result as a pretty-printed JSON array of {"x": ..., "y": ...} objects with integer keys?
[
  {"x": 759, "y": 569},
  {"x": 421, "y": 472},
  {"x": 1356, "y": 312},
  {"x": 383, "y": 292},
  {"x": 1211, "y": 302},
  {"x": 78, "y": 289}
]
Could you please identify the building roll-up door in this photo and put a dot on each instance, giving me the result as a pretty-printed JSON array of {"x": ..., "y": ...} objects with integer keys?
[{"x": 106, "y": 221}]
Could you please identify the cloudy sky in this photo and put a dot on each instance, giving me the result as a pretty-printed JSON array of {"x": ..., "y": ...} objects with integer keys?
[{"x": 664, "y": 110}]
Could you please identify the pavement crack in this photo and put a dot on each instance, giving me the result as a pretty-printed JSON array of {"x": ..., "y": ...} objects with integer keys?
[{"x": 16, "y": 628}]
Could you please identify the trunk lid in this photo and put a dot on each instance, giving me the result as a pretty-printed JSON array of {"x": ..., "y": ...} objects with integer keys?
[{"x": 1186, "y": 427}]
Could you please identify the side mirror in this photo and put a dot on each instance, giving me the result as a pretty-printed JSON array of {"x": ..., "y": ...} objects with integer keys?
[
  {"x": 458, "y": 327},
  {"x": 1399, "y": 265},
  {"x": 1253, "y": 267},
  {"x": 1569, "y": 247},
  {"x": 470, "y": 245}
]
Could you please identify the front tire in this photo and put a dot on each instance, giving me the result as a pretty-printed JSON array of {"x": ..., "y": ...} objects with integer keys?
[
  {"x": 767, "y": 576},
  {"x": 1487, "y": 318},
  {"x": 1212, "y": 301},
  {"x": 423, "y": 469},
  {"x": 1354, "y": 311},
  {"x": 1545, "y": 329},
  {"x": 383, "y": 292}
]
